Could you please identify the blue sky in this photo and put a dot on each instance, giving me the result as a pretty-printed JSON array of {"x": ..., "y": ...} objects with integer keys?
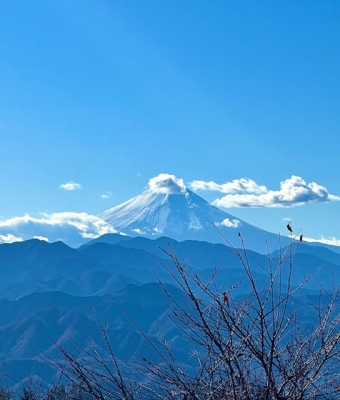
[{"x": 109, "y": 94}]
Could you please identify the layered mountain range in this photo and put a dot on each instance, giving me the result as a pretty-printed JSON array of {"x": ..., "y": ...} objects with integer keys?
[{"x": 48, "y": 290}]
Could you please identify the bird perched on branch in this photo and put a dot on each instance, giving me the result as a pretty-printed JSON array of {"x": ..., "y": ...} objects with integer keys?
[
  {"x": 225, "y": 297},
  {"x": 289, "y": 227}
]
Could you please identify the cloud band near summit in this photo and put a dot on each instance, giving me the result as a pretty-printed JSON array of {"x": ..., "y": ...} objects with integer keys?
[{"x": 245, "y": 192}]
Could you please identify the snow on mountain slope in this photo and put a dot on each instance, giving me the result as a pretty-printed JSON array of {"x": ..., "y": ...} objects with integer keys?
[
  {"x": 156, "y": 212},
  {"x": 168, "y": 208}
]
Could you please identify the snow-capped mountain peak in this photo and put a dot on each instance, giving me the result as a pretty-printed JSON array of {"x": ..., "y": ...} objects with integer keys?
[
  {"x": 168, "y": 208},
  {"x": 160, "y": 213}
]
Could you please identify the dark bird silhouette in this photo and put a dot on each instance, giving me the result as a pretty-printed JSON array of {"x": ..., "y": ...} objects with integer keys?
[
  {"x": 301, "y": 236},
  {"x": 225, "y": 297},
  {"x": 289, "y": 227}
]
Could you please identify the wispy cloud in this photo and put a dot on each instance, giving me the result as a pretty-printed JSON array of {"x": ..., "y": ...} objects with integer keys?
[
  {"x": 328, "y": 240},
  {"x": 245, "y": 192},
  {"x": 70, "y": 186},
  {"x": 106, "y": 195},
  {"x": 70, "y": 227},
  {"x": 237, "y": 185},
  {"x": 43, "y": 238},
  {"x": 9, "y": 238}
]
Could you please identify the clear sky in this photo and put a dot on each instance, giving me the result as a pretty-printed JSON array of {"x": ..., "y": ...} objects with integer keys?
[{"x": 234, "y": 96}]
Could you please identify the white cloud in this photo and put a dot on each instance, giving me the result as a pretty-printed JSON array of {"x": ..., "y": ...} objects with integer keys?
[
  {"x": 107, "y": 195},
  {"x": 70, "y": 186},
  {"x": 294, "y": 191},
  {"x": 168, "y": 184},
  {"x": 237, "y": 185},
  {"x": 329, "y": 240},
  {"x": 140, "y": 232},
  {"x": 9, "y": 238},
  {"x": 45, "y": 239},
  {"x": 71, "y": 227},
  {"x": 229, "y": 223}
]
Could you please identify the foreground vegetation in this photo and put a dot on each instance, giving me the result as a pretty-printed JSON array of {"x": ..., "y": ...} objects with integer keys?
[{"x": 240, "y": 346}]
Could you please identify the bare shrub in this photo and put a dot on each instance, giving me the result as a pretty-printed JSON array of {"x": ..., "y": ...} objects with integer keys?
[{"x": 255, "y": 345}]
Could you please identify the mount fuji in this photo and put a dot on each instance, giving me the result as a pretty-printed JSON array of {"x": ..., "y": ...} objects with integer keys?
[{"x": 168, "y": 208}]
